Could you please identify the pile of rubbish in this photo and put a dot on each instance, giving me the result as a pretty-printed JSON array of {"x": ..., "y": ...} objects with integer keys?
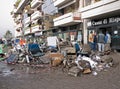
[
  {"x": 82, "y": 64},
  {"x": 94, "y": 64},
  {"x": 74, "y": 61}
]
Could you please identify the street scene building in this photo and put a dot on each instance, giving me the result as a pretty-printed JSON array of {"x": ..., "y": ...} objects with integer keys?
[
  {"x": 62, "y": 44},
  {"x": 72, "y": 19}
]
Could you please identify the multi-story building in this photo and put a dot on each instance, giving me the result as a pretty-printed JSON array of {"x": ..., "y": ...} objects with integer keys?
[
  {"x": 102, "y": 15},
  {"x": 18, "y": 16},
  {"x": 68, "y": 19},
  {"x": 31, "y": 13}
]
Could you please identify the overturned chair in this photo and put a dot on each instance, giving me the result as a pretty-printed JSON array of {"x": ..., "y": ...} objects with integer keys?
[{"x": 35, "y": 52}]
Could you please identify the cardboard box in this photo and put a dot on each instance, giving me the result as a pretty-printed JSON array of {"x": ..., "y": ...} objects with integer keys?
[
  {"x": 87, "y": 71},
  {"x": 54, "y": 55},
  {"x": 56, "y": 61}
]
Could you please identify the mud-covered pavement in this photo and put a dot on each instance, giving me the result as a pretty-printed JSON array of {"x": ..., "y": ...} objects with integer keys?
[{"x": 22, "y": 76}]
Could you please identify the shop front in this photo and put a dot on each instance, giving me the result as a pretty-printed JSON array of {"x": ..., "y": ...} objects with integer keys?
[
  {"x": 111, "y": 25},
  {"x": 71, "y": 33}
]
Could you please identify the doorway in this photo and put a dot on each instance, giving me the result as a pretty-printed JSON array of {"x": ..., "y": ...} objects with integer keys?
[{"x": 106, "y": 29}]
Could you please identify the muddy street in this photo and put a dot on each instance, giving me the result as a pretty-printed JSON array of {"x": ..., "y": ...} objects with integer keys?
[{"x": 22, "y": 76}]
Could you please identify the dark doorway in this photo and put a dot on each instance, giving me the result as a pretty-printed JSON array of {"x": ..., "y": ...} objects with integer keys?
[{"x": 106, "y": 29}]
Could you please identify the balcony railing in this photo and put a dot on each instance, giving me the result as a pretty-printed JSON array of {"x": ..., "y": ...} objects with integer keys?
[
  {"x": 35, "y": 3},
  {"x": 97, "y": 4},
  {"x": 26, "y": 30},
  {"x": 36, "y": 15},
  {"x": 20, "y": 6},
  {"x": 68, "y": 11},
  {"x": 35, "y": 28},
  {"x": 27, "y": 20},
  {"x": 60, "y": 2},
  {"x": 68, "y": 18},
  {"x": 19, "y": 17}
]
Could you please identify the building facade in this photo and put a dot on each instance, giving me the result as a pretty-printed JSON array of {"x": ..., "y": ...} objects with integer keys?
[
  {"x": 102, "y": 15},
  {"x": 31, "y": 17},
  {"x": 68, "y": 20}
]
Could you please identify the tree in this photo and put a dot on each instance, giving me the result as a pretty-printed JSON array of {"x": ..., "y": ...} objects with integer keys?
[{"x": 8, "y": 35}]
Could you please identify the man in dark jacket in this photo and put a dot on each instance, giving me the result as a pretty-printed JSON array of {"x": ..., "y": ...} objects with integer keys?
[{"x": 101, "y": 42}]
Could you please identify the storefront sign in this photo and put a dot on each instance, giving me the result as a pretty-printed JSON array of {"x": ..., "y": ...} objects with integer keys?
[{"x": 104, "y": 21}]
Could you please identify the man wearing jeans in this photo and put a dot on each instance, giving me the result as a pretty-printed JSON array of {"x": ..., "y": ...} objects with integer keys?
[
  {"x": 91, "y": 40},
  {"x": 101, "y": 42}
]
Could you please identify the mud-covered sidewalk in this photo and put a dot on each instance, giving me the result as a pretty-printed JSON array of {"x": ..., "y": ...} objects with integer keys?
[{"x": 22, "y": 76}]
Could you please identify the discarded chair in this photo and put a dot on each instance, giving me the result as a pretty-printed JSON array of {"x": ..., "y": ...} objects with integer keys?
[{"x": 35, "y": 52}]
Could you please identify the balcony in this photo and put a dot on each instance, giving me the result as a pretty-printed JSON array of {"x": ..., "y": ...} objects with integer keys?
[
  {"x": 36, "y": 15},
  {"x": 21, "y": 6},
  {"x": 36, "y": 29},
  {"x": 26, "y": 30},
  {"x": 67, "y": 19},
  {"x": 58, "y": 3},
  {"x": 103, "y": 7},
  {"x": 18, "y": 33},
  {"x": 18, "y": 26},
  {"x": 19, "y": 17},
  {"x": 27, "y": 20},
  {"x": 36, "y": 3}
]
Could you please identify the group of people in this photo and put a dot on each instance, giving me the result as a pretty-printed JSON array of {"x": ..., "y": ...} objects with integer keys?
[{"x": 99, "y": 41}]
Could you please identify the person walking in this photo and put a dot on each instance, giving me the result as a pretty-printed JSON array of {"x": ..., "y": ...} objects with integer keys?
[{"x": 101, "y": 41}]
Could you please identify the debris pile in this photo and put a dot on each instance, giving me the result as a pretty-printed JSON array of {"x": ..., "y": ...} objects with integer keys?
[{"x": 94, "y": 64}]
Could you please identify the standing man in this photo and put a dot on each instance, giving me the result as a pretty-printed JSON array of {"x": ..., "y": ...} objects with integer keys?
[
  {"x": 91, "y": 37},
  {"x": 107, "y": 41},
  {"x": 95, "y": 41},
  {"x": 101, "y": 41}
]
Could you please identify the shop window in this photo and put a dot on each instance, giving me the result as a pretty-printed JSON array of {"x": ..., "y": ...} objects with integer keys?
[
  {"x": 74, "y": 27},
  {"x": 66, "y": 36},
  {"x": 79, "y": 36},
  {"x": 73, "y": 36},
  {"x": 60, "y": 35}
]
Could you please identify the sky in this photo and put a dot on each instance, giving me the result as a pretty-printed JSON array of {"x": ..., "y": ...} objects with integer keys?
[{"x": 6, "y": 20}]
